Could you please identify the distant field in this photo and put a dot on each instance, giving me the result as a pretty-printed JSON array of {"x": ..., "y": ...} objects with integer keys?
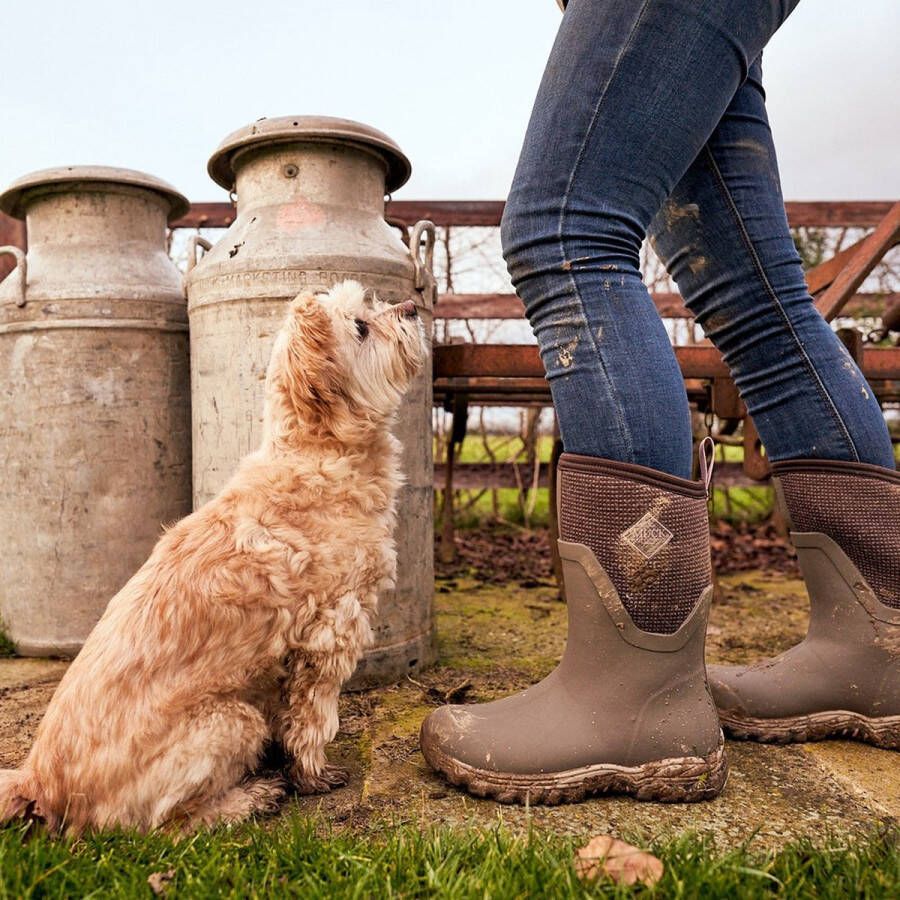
[{"x": 737, "y": 504}]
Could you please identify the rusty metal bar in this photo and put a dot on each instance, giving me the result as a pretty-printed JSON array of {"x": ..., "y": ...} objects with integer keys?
[
  {"x": 492, "y": 384},
  {"x": 881, "y": 363},
  {"x": 821, "y": 276},
  {"x": 524, "y": 361},
  {"x": 820, "y": 214},
  {"x": 668, "y": 305},
  {"x": 484, "y": 213},
  {"x": 509, "y": 306},
  {"x": 207, "y": 215},
  {"x": 851, "y": 276},
  {"x": 836, "y": 213},
  {"x": 755, "y": 465},
  {"x": 817, "y": 214}
]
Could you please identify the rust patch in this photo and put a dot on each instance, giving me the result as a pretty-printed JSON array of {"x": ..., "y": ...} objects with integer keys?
[
  {"x": 698, "y": 263},
  {"x": 569, "y": 263},
  {"x": 674, "y": 212}
]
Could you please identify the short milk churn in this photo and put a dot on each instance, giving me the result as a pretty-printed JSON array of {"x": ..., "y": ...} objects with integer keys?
[
  {"x": 310, "y": 213},
  {"x": 95, "y": 400}
]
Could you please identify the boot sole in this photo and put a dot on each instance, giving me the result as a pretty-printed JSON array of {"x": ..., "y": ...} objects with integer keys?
[
  {"x": 684, "y": 779},
  {"x": 881, "y": 732}
]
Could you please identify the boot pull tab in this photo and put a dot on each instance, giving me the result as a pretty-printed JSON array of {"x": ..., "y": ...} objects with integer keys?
[{"x": 707, "y": 454}]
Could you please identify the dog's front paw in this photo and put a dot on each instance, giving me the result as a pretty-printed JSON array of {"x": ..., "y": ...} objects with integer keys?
[{"x": 328, "y": 779}]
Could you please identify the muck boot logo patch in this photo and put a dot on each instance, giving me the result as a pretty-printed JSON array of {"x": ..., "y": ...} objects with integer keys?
[{"x": 648, "y": 536}]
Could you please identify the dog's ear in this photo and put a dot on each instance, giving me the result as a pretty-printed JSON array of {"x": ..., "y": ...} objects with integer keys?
[{"x": 312, "y": 376}]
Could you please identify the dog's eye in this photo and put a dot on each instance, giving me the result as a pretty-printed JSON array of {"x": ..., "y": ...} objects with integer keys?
[{"x": 362, "y": 328}]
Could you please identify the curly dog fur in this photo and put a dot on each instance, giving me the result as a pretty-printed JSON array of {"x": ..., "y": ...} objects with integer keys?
[{"x": 251, "y": 612}]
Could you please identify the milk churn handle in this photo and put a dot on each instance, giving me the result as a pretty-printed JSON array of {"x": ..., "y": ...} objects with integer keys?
[
  {"x": 425, "y": 281},
  {"x": 21, "y": 267},
  {"x": 196, "y": 241}
]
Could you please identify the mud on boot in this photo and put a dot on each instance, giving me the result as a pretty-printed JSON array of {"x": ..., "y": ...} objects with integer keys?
[
  {"x": 843, "y": 679},
  {"x": 628, "y": 709}
]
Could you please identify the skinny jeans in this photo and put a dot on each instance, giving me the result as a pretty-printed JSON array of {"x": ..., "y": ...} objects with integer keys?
[{"x": 651, "y": 121}]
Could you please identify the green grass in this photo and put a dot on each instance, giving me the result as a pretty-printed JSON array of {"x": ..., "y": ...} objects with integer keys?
[
  {"x": 7, "y": 648},
  {"x": 502, "y": 445},
  {"x": 298, "y": 858},
  {"x": 476, "y": 508},
  {"x": 508, "y": 508},
  {"x": 474, "y": 511},
  {"x": 742, "y": 504}
]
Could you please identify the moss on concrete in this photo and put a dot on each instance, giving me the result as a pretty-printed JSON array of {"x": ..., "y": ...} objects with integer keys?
[{"x": 494, "y": 640}]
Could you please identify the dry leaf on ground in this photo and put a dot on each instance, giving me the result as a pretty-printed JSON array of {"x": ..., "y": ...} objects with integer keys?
[{"x": 624, "y": 864}]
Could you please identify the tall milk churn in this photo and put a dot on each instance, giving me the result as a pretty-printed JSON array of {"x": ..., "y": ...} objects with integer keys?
[
  {"x": 310, "y": 213},
  {"x": 95, "y": 403}
]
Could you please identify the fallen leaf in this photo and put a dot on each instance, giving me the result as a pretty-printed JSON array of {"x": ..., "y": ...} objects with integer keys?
[
  {"x": 159, "y": 880},
  {"x": 624, "y": 864}
]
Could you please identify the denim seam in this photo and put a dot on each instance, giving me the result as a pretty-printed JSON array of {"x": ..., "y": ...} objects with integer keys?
[
  {"x": 624, "y": 430},
  {"x": 773, "y": 296}
]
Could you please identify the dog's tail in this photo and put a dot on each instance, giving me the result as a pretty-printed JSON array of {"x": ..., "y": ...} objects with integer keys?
[{"x": 18, "y": 794}]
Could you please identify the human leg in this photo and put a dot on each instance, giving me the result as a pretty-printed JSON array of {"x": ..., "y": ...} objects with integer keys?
[
  {"x": 725, "y": 239},
  {"x": 629, "y": 97},
  {"x": 843, "y": 678}
]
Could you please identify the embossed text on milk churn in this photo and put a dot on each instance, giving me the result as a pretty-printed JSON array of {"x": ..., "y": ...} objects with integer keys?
[
  {"x": 310, "y": 213},
  {"x": 95, "y": 405}
]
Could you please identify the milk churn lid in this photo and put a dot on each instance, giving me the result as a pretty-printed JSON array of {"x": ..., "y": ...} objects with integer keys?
[
  {"x": 306, "y": 129},
  {"x": 11, "y": 200}
]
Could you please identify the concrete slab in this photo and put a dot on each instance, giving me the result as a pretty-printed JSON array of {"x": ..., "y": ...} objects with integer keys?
[
  {"x": 496, "y": 640},
  {"x": 872, "y": 774},
  {"x": 17, "y": 672}
]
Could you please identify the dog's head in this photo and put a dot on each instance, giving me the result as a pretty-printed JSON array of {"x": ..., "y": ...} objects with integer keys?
[{"x": 342, "y": 363}]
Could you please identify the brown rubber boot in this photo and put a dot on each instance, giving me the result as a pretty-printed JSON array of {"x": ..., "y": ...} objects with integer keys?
[
  {"x": 628, "y": 709},
  {"x": 843, "y": 679}
]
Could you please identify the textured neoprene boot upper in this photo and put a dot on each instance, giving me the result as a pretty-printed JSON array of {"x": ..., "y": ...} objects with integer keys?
[
  {"x": 843, "y": 679},
  {"x": 628, "y": 708}
]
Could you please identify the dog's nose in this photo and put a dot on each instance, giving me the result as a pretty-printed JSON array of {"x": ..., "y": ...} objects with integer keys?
[{"x": 408, "y": 310}]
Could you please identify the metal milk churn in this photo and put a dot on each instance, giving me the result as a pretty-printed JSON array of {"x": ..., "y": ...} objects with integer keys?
[
  {"x": 94, "y": 403},
  {"x": 310, "y": 213}
]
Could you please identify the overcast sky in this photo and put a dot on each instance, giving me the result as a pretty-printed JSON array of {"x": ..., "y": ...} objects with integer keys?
[{"x": 156, "y": 85}]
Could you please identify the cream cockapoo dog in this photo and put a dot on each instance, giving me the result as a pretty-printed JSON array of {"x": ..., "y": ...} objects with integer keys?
[{"x": 250, "y": 613}]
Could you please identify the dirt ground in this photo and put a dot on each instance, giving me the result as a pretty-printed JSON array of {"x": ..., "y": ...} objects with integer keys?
[{"x": 494, "y": 639}]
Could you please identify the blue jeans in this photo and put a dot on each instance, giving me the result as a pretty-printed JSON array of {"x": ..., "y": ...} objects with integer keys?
[{"x": 651, "y": 119}]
